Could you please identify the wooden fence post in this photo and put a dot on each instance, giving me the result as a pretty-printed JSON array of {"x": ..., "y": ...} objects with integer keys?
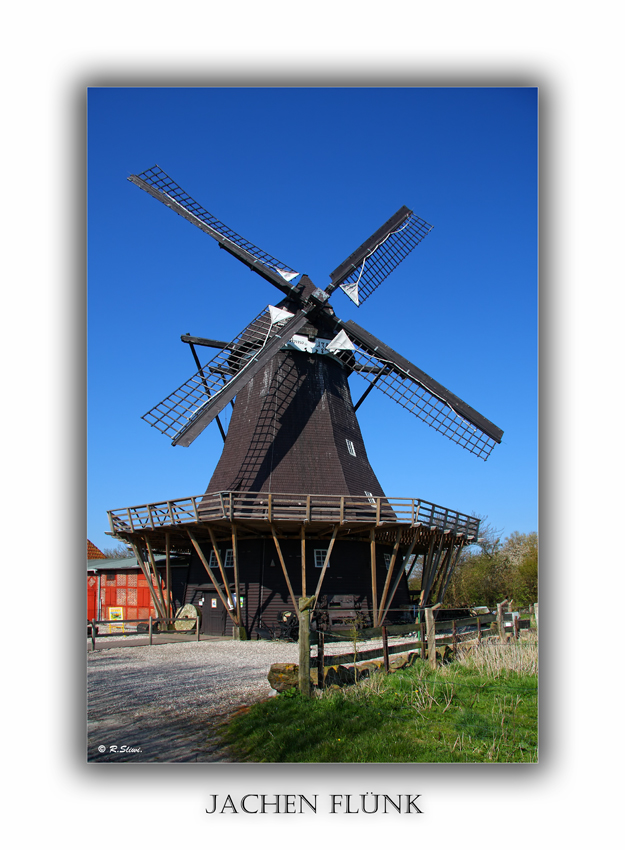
[
  {"x": 197, "y": 628},
  {"x": 431, "y": 630},
  {"x": 320, "y": 659},
  {"x": 385, "y": 649},
  {"x": 93, "y": 634},
  {"x": 500, "y": 624},
  {"x": 150, "y": 630},
  {"x": 305, "y": 603},
  {"x": 454, "y": 636}
]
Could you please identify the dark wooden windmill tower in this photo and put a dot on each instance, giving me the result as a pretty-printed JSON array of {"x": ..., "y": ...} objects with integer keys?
[{"x": 293, "y": 504}]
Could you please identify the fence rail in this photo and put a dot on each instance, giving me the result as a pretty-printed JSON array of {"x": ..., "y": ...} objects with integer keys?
[
  {"x": 306, "y": 508},
  {"x": 451, "y": 633},
  {"x": 152, "y": 627}
]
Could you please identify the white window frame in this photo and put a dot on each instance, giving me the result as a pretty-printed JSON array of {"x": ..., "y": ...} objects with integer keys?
[
  {"x": 387, "y": 561},
  {"x": 228, "y": 561},
  {"x": 370, "y": 497},
  {"x": 320, "y": 556},
  {"x": 350, "y": 447}
]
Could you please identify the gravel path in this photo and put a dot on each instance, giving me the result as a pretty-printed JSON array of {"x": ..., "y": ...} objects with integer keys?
[{"x": 166, "y": 701}]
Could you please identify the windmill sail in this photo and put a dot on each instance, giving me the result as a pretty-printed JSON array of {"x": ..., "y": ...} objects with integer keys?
[
  {"x": 185, "y": 413},
  {"x": 364, "y": 270},
  {"x": 157, "y": 183},
  {"x": 410, "y": 387}
]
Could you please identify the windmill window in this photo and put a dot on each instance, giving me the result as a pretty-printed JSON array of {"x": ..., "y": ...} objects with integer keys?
[
  {"x": 387, "y": 560},
  {"x": 350, "y": 448},
  {"x": 370, "y": 497},
  {"x": 320, "y": 556},
  {"x": 229, "y": 561}
]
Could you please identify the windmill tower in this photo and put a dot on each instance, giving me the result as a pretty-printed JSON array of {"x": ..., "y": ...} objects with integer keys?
[{"x": 294, "y": 468}]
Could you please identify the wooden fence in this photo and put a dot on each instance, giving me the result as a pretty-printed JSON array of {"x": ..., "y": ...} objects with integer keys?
[
  {"x": 428, "y": 636},
  {"x": 152, "y": 625}
]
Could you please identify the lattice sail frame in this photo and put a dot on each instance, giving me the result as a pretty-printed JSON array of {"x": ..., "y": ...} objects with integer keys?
[
  {"x": 162, "y": 182},
  {"x": 373, "y": 270},
  {"x": 359, "y": 276},
  {"x": 390, "y": 379},
  {"x": 174, "y": 413}
]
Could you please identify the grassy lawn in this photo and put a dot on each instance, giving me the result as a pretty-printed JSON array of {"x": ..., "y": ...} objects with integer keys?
[{"x": 482, "y": 707}]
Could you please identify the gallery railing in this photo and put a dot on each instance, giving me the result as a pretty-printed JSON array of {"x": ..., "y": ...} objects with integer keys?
[{"x": 284, "y": 507}]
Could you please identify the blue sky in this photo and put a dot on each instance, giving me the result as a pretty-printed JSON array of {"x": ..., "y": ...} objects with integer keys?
[{"x": 308, "y": 174}]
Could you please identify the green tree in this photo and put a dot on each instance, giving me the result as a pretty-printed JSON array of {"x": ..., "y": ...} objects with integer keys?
[{"x": 491, "y": 571}]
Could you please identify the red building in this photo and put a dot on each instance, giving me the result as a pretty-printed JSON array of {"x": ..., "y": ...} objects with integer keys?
[{"x": 120, "y": 583}]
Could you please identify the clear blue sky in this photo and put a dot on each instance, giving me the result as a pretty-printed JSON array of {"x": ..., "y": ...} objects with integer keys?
[{"x": 308, "y": 174}]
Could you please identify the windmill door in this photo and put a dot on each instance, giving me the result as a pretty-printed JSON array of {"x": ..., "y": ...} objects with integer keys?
[{"x": 214, "y": 615}]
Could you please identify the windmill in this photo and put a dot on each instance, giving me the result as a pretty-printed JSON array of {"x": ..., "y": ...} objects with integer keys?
[{"x": 294, "y": 432}]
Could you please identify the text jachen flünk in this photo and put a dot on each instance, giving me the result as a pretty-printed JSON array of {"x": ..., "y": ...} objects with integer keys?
[{"x": 294, "y": 804}]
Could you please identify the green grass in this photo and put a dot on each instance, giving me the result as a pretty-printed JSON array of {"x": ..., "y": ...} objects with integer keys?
[{"x": 481, "y": 708}]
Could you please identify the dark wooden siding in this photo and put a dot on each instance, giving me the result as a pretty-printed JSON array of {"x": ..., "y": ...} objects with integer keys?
[
  {"x": 263, "y": 586},
  {"x": 289, "y": 429}
]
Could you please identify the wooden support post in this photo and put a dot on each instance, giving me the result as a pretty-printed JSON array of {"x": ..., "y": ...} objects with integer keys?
[
  {"x": 240, "y": 629},
  {"x": 427, "y": 567},
  {"x": 305, "y": 604},
  {"x": 157, "y": 578},
  {"x": 433, "y": 571},
  {"x": 374, "y": 579},
  {"x": 387, "y": 665},
  {"x": 423, "y": 629},
  {"x": 302, "y": 536},
  {"x": 387, "y": 582},
  {"x": 414, "y": 563},
  {"x": 93, "y": 633},
  {"x": 431, "y": 630},
  {"x": 274, "y": 534},
  {"x": 150, "y": 630},
  {"x": 221, "y": 567},
  {"x": 479, "y": 631},
  {"x": 320, "y": 659},
  {"x": 398, "y": 577},
  {"x": 170, "y": 607},
  {"x": 454, "y": 636},
  {"x": 326, "y": 561},
  {"x": 453, "y": 561},
  {"x": 202, "y": 556},
  {"x": 197, "y": 628},
  {"x": 147, "y": 576}
]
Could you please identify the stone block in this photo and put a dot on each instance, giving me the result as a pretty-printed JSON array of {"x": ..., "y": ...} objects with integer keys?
[{"x": 283, "y": 676}]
